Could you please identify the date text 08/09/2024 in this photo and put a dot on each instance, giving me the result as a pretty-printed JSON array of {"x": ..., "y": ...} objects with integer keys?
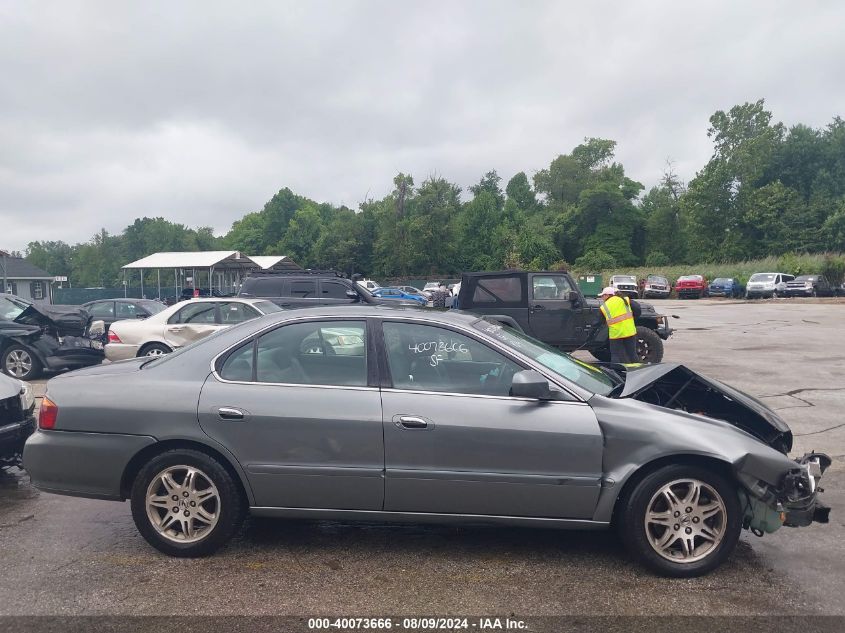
[{"x": 416, "y": 624}]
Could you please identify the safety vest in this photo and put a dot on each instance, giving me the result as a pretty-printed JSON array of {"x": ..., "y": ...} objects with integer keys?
[{"x": 620, "y": 319}]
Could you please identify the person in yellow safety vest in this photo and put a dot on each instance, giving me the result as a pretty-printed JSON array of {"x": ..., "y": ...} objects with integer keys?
[{"x": 619, "y": 312}]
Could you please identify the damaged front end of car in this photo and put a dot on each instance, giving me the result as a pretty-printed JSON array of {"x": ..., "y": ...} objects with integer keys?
[
  {"x": 773, "y": 498},
  {"x": 776, "y": 491},
  {"x": 61, "y": 337}
]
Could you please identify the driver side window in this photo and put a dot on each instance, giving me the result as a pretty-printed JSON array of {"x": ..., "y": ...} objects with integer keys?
[{"x": 430, "y": 358}]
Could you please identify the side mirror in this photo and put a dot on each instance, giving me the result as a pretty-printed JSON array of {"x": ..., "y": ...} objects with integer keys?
[
  {"x": 530, "y": 384},
  {"x": 351, "y": 294}
]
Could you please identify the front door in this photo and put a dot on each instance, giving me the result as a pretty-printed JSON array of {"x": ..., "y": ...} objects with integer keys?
[
  {"x": 457, "y": 443},
  {"x": 296, "y": 409},
  {"x": 550, "y": 310},
  {"x": 196, "y": 320}
]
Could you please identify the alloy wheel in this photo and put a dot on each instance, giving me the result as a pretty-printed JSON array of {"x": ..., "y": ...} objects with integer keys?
[
  {"x": 155, "y": 351},
  {"x": 18, "y": 363},
  {"x": 183, "y": 504},
  {"x": 685, "y": 521}
]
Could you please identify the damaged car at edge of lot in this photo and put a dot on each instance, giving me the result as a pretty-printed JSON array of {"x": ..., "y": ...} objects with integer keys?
[
  {"x": 430, "y": 416},
  {"x": 35, "y": 337},
  {"x": 17, "y": 404}
]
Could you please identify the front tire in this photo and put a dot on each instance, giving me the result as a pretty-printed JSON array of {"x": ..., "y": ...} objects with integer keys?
[
  {"x": 186, "y": 504},
  {"x": 19, "y": 362},
  {"x": 649, "y": 345},
  {"x": 681, "y": 521}
]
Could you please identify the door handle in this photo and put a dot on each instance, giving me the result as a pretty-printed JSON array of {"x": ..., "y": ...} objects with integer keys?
[
  {"x": 176, "y": 329},
  {"x": 230, "y": 413},
  {"x": 410, "y": 422},
  {"x": 539, "y": 307}
]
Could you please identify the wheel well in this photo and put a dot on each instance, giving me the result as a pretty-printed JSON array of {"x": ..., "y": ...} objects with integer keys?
[
  {"x": 146, "y": 454},
  {"x": 646, "y": 469},
  {"x": 651, "y": 324}
]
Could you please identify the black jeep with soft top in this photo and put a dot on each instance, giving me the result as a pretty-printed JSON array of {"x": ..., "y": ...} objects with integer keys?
[{"x": 550, "y": 307}]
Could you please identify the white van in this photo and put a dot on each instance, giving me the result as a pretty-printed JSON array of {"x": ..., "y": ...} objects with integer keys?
[{"x": 767, "y": 285}]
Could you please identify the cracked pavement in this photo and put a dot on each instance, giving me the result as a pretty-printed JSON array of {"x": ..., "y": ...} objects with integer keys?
[{"x": 62, "y": 555}]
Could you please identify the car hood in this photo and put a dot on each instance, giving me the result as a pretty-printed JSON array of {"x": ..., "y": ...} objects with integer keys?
[
  {"x": 68, "y": 320},
  {"x": 9, "y": 387},
  {"x": 673, "y": 385}
]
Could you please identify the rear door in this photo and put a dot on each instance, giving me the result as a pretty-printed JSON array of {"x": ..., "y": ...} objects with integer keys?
[
  {"x": 457, "y": 443},
  {"x": 550, "y": 312},
  {"x": 300, "y": 410}
]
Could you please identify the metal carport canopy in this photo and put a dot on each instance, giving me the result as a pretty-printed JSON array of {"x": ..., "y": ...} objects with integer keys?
[{"x": 198, "y": 259}]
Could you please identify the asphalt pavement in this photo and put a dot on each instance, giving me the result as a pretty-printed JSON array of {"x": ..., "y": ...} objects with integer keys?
[{"x": 61, "y": 555}]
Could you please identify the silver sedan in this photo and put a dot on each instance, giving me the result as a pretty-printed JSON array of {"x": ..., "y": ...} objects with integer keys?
[{"x": 388, "y": 414}]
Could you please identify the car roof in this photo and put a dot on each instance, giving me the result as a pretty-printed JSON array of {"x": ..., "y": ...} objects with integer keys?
[{"x": 380, "y": 311}]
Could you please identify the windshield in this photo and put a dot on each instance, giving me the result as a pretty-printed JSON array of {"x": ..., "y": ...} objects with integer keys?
[
  {"x": 266, "y": 307},
  {"x": 721, "y": 280},
  {"x": 806, "y": 278},
  {"x": 657, "y": 280},
  {"x": 582, "y": 374},
  {"x": 625, "y": 279},
  {"x": 762, "y": 277},
  {"x": 690, "y": 278},
  {"x": 11, "y": 308}
]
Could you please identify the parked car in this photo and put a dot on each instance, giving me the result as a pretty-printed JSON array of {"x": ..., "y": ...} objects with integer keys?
[
  {"x": 767, "y": 285},
  {"x": 396, "y": 293},
  {"x": 110, "y": 310},
  {"x": 411, "y": 290},
  {"x": 17, "y": 423},
  {"x": 726, "y": 287},
  {"x": 809, "y": 286},
  {"x": 368, "y": 284},
  {"x": 691, "y": 286},
  {"x": 305, "y": 289},
  {"x": 656, "y": 287},
  {"x": 625, "y": 285},
  {"x": 35, "y": 337},
  {"x": 420, "y": 424},
  {"x": 430, "y": 287},
  {"x": 179, "y": 325},
  {"x": 549, "y": 306}
]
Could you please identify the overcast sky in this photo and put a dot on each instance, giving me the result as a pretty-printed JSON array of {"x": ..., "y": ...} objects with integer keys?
[{"x": 200, "y": 111}]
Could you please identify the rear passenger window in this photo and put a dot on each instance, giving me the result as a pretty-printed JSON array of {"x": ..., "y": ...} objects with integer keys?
[
  {"x": 303, "y": 289},
  {"x": 232, "y": 312},
  {"x": 500, "y": 290},
  {"x": 239, "y": 365},
  {"x": 267, "y": 287},
  {"x": 315, "y": 353}
]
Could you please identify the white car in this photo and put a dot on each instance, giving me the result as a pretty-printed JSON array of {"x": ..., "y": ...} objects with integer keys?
[
  {"x": 368, "y": 284},
  {"x": 179, "y": 325}
]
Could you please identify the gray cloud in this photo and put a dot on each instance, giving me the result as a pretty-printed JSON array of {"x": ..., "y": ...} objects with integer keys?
[{"x": 200, "y": 111}]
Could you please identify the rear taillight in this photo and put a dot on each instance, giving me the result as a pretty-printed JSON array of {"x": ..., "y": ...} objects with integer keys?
[
  {"x": 114, "y": 338},
  {"x": 48, "y": 414}
]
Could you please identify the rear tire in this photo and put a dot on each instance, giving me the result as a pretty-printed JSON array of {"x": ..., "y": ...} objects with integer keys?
[
  {"x": 154, "y": 349},
  {"x": 212, "y": 499},
  {"x": 687, "y": 535},
  {"x": 649, "y": 345}
]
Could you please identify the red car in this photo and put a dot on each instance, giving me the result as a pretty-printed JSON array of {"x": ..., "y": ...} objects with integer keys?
[{"x": 691, "y": 286}]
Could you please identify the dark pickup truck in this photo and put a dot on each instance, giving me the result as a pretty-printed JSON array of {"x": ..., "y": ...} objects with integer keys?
[{"x": 550, "y": 307}]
